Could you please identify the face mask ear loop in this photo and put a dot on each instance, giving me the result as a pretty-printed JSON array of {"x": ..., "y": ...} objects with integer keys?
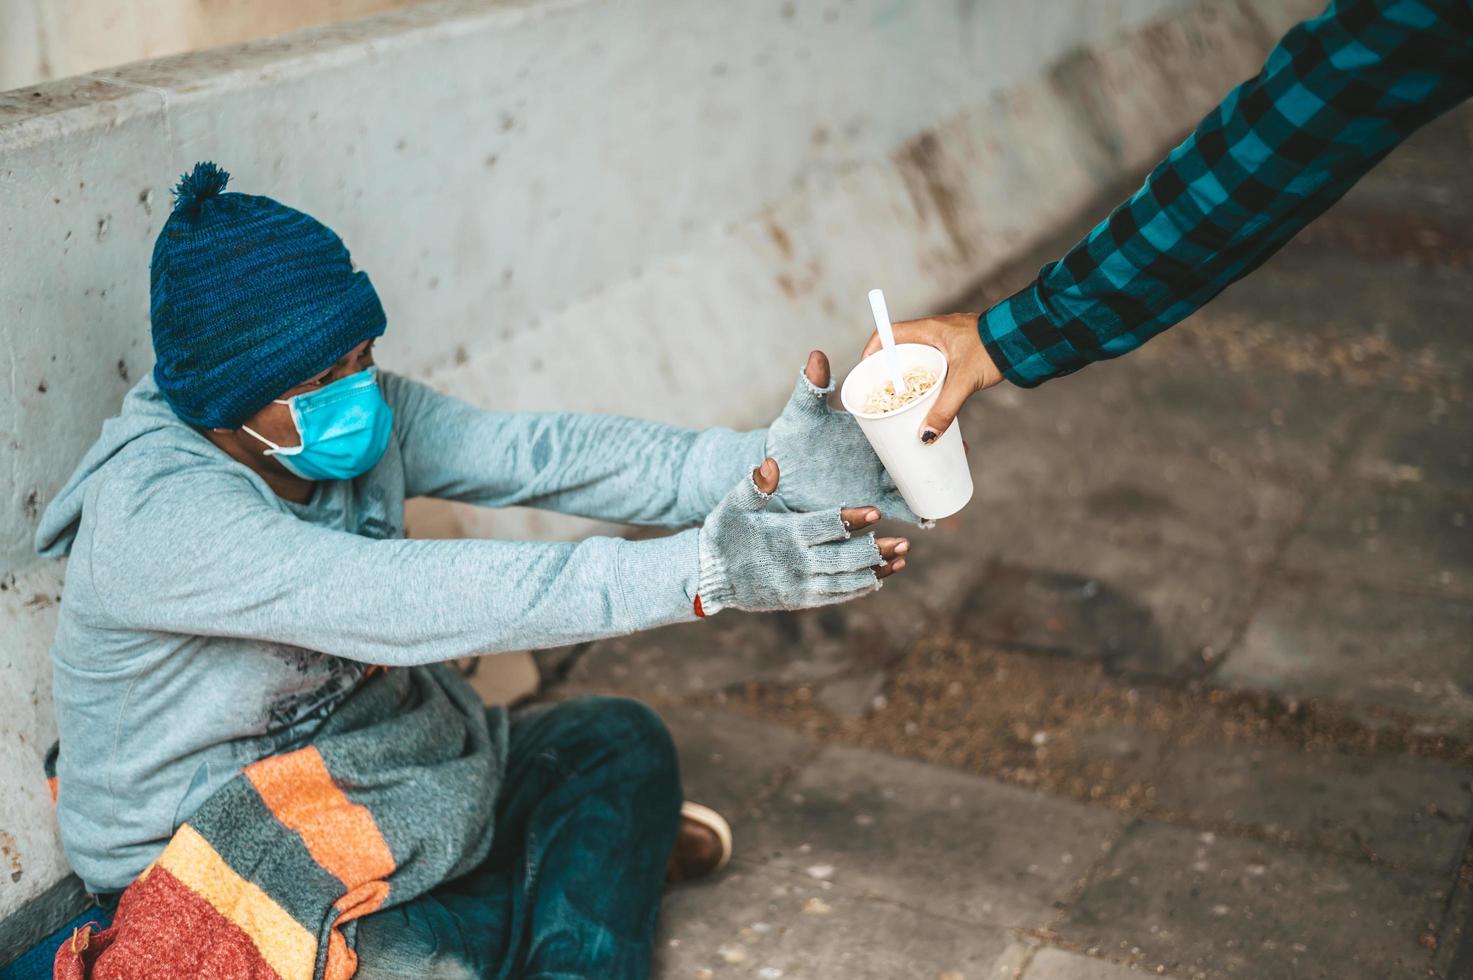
[{"x": 274, "y": 447}]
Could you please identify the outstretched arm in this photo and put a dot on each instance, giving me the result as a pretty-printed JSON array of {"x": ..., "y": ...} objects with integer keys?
[
  {"x": 601, "y": 466},
  {"x": 239, "y": 565},
  {"x": 1336, "y": 95}
]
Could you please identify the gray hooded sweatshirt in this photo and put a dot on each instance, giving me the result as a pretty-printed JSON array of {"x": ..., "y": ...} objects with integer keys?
[{"x": 207, "y": 623}]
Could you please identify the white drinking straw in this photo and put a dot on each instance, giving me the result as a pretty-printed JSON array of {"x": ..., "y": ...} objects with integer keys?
[{"x": 887, "y": 338}]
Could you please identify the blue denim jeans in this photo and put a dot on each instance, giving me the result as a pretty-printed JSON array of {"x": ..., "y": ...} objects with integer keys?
[{"x": 586, "y": 819}]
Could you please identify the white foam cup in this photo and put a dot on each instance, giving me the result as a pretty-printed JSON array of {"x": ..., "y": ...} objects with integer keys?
[{"x": 934, "y": 479}]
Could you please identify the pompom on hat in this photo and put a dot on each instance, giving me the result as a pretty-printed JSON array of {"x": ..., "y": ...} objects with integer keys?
[{"x": 248, "y": 298}]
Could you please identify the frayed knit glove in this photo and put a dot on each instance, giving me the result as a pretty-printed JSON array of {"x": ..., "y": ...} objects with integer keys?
[
  {"x": 757, "y": 559},
  {"x": 826, "y": 459}
]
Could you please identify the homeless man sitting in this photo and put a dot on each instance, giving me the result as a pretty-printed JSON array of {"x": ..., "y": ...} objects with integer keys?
[{"x": 263, "y": 758}]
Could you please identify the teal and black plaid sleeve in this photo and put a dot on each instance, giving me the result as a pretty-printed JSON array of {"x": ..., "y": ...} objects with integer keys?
[{"x": 1336, "y": 95}]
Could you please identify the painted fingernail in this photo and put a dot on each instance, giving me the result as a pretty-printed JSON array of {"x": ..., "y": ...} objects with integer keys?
[{"x": 928, "y": 435}]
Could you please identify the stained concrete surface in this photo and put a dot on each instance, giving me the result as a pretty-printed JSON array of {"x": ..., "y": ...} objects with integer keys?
[
  {"x": 1220, "y": 906},
  {"x": 1187, "y": 691}
]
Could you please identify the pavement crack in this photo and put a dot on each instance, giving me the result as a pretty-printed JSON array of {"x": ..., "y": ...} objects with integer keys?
[
  {"x": 874, "y": 898},
  {"x": 782, "y": 779},
  {"x": 1273, "y": 566}
]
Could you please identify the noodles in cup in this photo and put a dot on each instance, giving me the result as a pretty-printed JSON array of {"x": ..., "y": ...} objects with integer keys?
[{"x": 918, "y": 381}]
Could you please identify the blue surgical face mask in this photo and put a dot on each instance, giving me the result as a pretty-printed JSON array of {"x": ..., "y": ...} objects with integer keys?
[{"x": 344, "y": 429}]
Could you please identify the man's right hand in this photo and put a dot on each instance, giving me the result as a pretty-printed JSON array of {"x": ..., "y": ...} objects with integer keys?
[
  {"x": 760, "y": 560},
  {"x": 969, "y": 368}
]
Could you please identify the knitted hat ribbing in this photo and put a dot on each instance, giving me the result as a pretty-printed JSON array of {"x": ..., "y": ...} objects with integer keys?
[{"x": 248, "y": 298}]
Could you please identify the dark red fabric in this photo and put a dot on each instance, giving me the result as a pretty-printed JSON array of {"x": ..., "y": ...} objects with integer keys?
[{"x": 162, "y": 929}]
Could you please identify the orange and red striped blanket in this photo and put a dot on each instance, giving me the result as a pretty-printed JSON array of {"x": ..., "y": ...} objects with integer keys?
[{"x": 266, "y": 879}]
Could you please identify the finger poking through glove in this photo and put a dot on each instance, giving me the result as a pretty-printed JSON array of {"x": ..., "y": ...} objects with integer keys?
[{"x": 756, "y": 558}]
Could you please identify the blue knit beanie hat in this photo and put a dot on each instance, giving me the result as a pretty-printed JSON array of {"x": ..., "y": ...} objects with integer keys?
[{"x": 248, "y": 298}]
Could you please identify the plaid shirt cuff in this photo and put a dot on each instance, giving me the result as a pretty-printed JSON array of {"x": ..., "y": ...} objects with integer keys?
[{"x": 1024, "y": 343}]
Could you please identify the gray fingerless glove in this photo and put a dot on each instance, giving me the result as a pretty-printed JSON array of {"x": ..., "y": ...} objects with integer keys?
[
  {"x": 760, "y": 560},
  {"x": 826, "y": 461}
]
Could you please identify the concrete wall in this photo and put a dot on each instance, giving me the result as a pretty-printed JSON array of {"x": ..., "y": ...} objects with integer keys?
[
  {"x": 650, "y": 206},
  {"x": 41, "y": 40}
]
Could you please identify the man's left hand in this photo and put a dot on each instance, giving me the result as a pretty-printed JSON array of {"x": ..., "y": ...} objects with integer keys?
[{"x": 826, "y": 460}]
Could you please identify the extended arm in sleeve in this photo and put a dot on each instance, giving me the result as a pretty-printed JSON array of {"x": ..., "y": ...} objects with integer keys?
[
  {"x": 600, "y": 466},
  {"x": 1337, "y": 94},
  {"x": 202, "y": 554}
]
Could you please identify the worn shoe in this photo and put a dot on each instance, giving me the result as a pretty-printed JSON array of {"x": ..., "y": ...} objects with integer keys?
[{"x": 703, "y": 845}]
